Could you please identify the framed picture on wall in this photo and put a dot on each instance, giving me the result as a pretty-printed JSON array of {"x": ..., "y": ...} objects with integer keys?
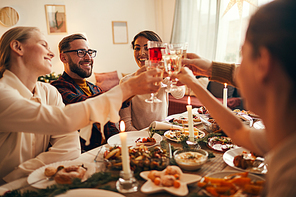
[
  {"x": 119, "y": 31},
  {"x": 56, "y": 19}
]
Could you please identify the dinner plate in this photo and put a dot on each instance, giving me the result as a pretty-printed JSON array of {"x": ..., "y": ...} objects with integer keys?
[
  {"x": 182, "y": 115},
  {"x": 90, "y": 193},
  {"x": 223, "y": 174},
  {"x": 219, "y": 146},
  {"x": 149, "y": 187},
  {"x": 259, "y": 125},
  {"x": 39, "y": 173},
  {"x": 229, "y": 155},
  {"x": 132, "y": 137},
  {"x": 171, "y": 133}
]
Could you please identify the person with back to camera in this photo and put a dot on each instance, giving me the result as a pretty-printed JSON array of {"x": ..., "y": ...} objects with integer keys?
[
  {"x": 267, "y": 80},
  {"x": 140, "y": 114},
  {"x": 32, "y": 114}
]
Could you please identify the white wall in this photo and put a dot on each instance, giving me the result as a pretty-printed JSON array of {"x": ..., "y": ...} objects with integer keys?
[{"x": 94, "y": 18}]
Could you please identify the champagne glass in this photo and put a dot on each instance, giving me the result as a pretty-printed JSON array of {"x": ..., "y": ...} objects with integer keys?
[
  {"x": 149, "y": 66},
  {"x": 172, "y": 57}
]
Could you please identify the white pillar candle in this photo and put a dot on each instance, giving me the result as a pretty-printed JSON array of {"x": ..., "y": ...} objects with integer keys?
[
  {"x": 225, "y": 95},
  {"x": 124, "y": 150},
  {"x": 190, "y": 120}
]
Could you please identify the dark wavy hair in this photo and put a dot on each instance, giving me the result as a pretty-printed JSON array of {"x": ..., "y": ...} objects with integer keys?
[
  {"x": 274, "y": 26},
  {"x": 150, "y": 35}
]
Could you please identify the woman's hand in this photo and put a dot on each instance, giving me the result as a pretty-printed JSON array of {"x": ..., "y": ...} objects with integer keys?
[
  {"x": 185, "y": 76},
  {"x": 199, "y": 66},
  {"x": 140, "y": 70},
  {"x": 144, "y": 83}
]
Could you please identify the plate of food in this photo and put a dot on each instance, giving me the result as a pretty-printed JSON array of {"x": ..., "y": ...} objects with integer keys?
[
  {"x": 242, "y": 159},
  {"x": 61, "y": 172},
  {"x": 136, "y": 138},
  {"x": 171, "y": 180},
  {"x": 221, "y": 143},
  {"x": 232, "y": 183},
  {"x": 176, "y": 134},
  {"x": 259, "y": 125},
  {"x": 182, "y": 119}
]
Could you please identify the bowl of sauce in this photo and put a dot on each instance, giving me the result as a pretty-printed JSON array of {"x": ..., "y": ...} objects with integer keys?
[{"x": 190, "y": 159}]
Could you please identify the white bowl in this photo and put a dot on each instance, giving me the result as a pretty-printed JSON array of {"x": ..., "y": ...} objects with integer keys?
[{"x": 190, "y": 159}]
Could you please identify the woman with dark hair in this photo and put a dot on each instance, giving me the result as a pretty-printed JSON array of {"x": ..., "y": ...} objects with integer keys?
[
  {"x": 267, "y": 81},
  {"x": 140, "y": 114}
]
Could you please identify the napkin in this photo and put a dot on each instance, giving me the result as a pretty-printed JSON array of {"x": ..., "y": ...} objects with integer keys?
[
  {"x": 156, "y": 125},
  {"x": 102, "y": 108}
]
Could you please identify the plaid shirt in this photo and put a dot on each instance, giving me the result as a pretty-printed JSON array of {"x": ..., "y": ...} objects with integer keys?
[{"x": 72, "y": 93}]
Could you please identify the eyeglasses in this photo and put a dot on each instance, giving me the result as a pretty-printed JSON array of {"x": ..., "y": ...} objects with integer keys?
[{"x": 82, "y": 52}]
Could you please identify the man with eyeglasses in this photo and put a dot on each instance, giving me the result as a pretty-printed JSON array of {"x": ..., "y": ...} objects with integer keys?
[{"x": 78, "y": 63}]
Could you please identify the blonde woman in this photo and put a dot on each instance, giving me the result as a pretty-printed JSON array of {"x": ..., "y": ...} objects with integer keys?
[{"x": 32, "y": 114}]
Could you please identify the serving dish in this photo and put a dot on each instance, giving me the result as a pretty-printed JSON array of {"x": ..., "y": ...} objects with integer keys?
[
  {"x": 39, "y": 173},
  {"x": 229, "y": 155},
  {"x": 190, "y": 159},
  {"x": 149, "y": 187},
  {"x": 141, "y": 158},
  {"x": 233, "y": 181}
]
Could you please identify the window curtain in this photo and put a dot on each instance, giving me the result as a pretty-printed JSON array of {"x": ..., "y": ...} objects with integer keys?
[
  {"x": 209, "y": 31},
  {"x": 195, "y": 22}
]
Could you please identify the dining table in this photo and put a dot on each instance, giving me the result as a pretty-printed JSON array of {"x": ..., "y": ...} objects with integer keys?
[{"x": 213, "y": 164}]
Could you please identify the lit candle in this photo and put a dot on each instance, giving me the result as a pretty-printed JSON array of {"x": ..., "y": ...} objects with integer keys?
[
  {"x": 124, "y": 150},
  {"x": 225, "y": 95},
  {"x": 190, "y": 120}
]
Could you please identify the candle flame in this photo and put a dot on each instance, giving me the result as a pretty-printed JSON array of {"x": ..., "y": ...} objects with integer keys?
[
  {"x": 225, "y": 85},
  {"x": 188, "y": 101},
  {"x": 122, "y": 126}
]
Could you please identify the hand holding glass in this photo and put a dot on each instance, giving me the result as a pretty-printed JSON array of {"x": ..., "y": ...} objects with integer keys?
[{"x": 149, "y": 66}]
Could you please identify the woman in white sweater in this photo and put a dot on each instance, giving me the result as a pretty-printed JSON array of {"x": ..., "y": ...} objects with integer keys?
[{"x": 32, "y": 114}]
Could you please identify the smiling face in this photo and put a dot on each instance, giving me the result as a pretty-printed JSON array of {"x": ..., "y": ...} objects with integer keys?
[
  {"x": 78, "y": 67},
  {"x": 141, "y": 50},
  {"x": 37, "y": 55}
]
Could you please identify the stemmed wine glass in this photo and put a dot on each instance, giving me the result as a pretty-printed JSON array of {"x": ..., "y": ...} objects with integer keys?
[
  {"x": 172, "y": 57},
  {"x": 149, "y": 66}
]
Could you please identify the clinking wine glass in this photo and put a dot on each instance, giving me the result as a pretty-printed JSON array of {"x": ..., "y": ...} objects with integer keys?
[
  {"x": 172, "y": 57},
  {"x": 149, "y": 66}
]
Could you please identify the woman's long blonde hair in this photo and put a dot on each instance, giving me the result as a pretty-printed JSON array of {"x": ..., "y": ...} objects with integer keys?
[{"x": 17, "y": 33}]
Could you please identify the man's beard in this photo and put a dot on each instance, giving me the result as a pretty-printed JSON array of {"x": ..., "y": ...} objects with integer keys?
[{"x": 79, "y": 71}]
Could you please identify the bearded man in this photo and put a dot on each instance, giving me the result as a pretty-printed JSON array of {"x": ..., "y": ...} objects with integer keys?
[{"x": 78, "y": 63}]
